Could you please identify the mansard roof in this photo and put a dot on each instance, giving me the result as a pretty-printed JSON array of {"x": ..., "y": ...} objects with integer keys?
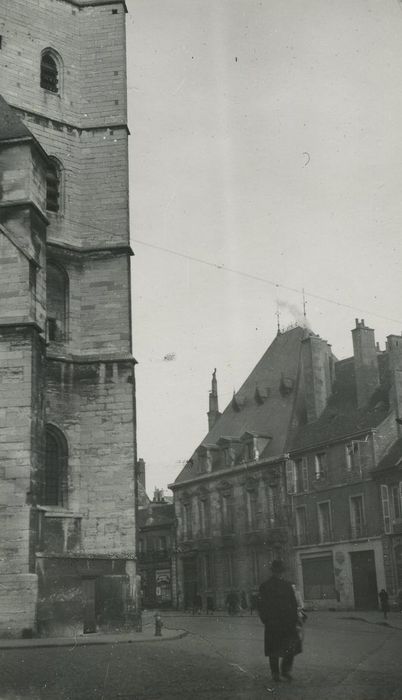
[
  {"x": 342, "y": 417},
  {"x": 12, "y": 128},
  {"x": 269, "y": 414}
]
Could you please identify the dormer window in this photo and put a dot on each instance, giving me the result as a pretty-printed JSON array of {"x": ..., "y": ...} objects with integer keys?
[{"x": 49, "y": 72}]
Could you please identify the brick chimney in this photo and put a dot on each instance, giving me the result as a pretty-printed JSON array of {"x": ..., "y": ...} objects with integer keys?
[
  {"x": 394, "y": 351},
  {"x": 213, "y": 413},
  {"x": 316, "y": 362},
  {"x": 366, "y": 362}
]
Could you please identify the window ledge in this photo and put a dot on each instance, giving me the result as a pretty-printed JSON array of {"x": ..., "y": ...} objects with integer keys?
[{"x": 58, "y": 512}]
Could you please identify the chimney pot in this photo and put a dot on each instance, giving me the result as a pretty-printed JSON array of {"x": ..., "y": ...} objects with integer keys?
[{"x": 366, "y": 363}]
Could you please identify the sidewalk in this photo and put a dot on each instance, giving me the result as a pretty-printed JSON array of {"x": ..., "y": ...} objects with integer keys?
[
  {"x": 147, "y": 635},
  {"x": 374, "y": 617},
  {"x": 371, "y": 616}
]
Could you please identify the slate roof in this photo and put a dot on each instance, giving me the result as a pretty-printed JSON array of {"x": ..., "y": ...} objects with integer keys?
[
  {"x": 11, "y": 126},
  {"x": 91, "y": 3},
  {"x": 276, "y": 376},
  {"x": 392, "y": 459},
  {"x": 156, "y": 515},
  {"x": 341, "y": 417}
]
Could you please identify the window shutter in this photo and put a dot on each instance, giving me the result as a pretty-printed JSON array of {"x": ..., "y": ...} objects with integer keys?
[
  {"x": 290, "y": 477},
  {"x": 400, "y": 497},
  {"x": 385, "y": 508},
  {"x": 305, "y": 474}
]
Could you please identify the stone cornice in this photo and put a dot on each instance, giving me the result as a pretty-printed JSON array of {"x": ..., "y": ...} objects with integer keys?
[
  {"x": 96, "y": 3},
  {"x": 69, "y": 125},
  {"x": 91, "y": 359},
  {"x": 24, "y": 203},
  {"x": 341, "y": 438},
  {"x": 68, "y": 248},
  {"x": 224, "y": 473}
]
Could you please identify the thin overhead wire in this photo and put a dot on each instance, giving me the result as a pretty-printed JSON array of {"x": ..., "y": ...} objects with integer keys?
[{"x": 242, "y": 273}]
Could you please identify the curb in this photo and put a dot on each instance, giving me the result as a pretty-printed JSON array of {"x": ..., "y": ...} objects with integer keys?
[
  {"x": 84, "y": 641},
  {"x": 380, "y": 623}
]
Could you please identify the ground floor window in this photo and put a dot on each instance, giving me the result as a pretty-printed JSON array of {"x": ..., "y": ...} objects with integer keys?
[{"x": 318, "y": 578}]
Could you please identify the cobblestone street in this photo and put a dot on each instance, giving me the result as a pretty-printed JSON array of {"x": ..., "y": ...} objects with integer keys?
[{"x": 220, "y": 658}]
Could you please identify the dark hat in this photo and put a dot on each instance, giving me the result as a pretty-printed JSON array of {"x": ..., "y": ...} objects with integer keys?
[{"x": 277, "y": 566}]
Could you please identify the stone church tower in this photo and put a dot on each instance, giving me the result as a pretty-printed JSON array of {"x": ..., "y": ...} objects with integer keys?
[{"x": 67, "y": 388}]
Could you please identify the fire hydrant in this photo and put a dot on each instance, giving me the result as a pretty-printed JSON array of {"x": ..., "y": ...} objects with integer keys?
[{"x": 158, "y": 625}]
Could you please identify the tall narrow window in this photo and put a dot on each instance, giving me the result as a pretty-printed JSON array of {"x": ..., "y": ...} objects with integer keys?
[
  {"x": 357, "y": 516},
  {"x": 301, "y": 525},
  {"x": 55, "y": 481},
  {"x": 227, "y": 513},
  {"x": 291, "y": 484},
  {"x": 252, "y": 509},
  {"x": 385, "y": 508},
  {"x": 49, "y": 72},
  {"x": 324, "y": 521},
  {"x": 57, "y": 292},
  {"x": 187, "y": 524},
  {"x": 228, "y": 569},
  {"x": 53, "y": 186},
  {"x": 207, "y": 571},
  {"x": 254, "y": 567},
  {"x": 203, "y": 513}
]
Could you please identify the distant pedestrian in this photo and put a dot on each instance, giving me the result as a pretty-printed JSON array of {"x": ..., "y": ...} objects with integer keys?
[
  {"x": 243, "y": 601},
  {"x": 384, "y": 602},
  {"x": 277, "y": 608},
  {"x": 197, "y": 604},
  {"x": 210, "y": 605},
  {"x": 300, "y": 604}
]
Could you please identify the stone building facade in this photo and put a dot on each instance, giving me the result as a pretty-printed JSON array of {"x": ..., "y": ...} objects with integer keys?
[
  {"x": 67, "y": 398},
  {"x": 341, "y": 502},
  {"x": 230, "y": 499},
  {"x": 305, "y": 463},
  {"x": 156, "y": 552}
]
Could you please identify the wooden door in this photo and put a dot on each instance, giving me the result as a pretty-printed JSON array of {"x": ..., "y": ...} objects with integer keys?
[{"x": 88, "y": 590}]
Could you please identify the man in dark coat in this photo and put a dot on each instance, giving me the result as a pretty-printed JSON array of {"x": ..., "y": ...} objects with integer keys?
[{"x": 277, "y": 608}]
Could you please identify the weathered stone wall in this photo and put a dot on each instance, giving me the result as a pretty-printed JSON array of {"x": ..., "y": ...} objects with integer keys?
[
  {"x": 90, "y": 42},
  {"x": 84, "y": 125},
  {"x": 85, "y": 387},
  {"x": 18, "y": 584},
  {"x": 237, "y": 555},
  {"x": 92, "y": 403}
]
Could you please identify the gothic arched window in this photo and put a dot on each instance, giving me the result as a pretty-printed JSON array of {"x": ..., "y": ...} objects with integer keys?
[
  {"x": 49, "y": 71},
  {"x": 56, "y": 460},
  {"x": 57, "y": 292}
]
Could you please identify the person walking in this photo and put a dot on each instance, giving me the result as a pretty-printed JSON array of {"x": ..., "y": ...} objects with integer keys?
[
  {"x": 384, "y": 602},
  {"x": 243, "y": 601},
  {"x": 277, "y": 608}
]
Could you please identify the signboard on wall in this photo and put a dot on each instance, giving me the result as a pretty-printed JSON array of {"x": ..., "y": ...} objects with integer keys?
[{"x": 163, "y": 585}]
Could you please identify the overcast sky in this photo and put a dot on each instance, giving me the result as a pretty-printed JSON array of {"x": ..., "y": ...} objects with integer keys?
[{"x": 265, "y": 138}]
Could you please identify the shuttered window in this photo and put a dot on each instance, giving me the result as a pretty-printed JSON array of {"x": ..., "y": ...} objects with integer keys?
[
  {"x": 49, "y": 74},
  {"x": 385, "y": 508},
  {"x": 53, "y": 187}
]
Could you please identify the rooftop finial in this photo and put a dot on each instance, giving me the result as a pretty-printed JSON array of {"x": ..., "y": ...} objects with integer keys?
[
  {"x": 304, "y": 304},
  {"x": 278, "y": 316}
]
